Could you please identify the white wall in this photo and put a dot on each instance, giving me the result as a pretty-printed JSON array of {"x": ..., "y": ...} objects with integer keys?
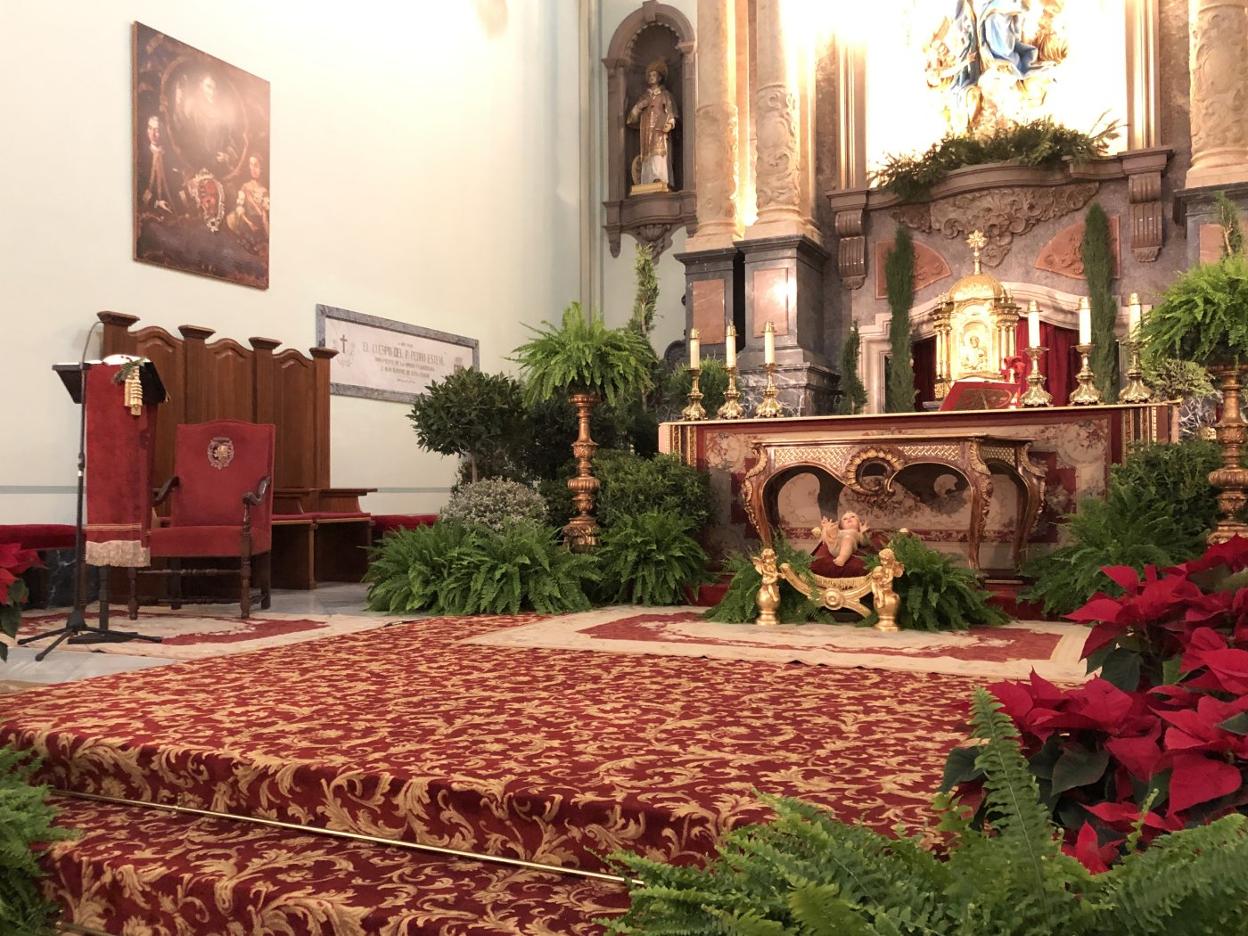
[
  {"x": 618, "y": 283},
  {"x": 424, "y": 170}
]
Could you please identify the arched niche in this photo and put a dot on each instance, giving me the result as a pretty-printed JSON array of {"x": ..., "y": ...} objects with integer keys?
[{"x": 652, "y": 31}]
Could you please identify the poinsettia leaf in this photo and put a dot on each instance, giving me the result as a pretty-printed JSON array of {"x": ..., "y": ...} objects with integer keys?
[
  {"x": 1236, "y": 724},
  {"x": 960, "y": 767},
  {"x": 1125, "y": 577},
  {"x": 1078, "y": 767},
  {"x": 1198, "y": 779},
  {"x": 1122, "y": 668}
]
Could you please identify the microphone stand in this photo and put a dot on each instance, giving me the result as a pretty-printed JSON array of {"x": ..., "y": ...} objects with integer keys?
[{"x": 76, "y": 630}]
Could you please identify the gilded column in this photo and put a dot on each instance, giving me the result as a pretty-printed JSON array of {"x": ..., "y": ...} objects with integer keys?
[
  {"x": 1219, "y": 92},
  {"x": 777, "y": 122},
  {"x": 716, "y": 153}
]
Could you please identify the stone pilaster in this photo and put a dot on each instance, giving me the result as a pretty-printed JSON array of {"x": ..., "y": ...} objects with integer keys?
[
  {"x": 717, "y": 127},
  {"x": 1219, "y": 92}
]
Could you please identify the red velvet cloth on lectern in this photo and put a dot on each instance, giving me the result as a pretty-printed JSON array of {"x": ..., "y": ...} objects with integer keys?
[{"x": 120, "y": 447}]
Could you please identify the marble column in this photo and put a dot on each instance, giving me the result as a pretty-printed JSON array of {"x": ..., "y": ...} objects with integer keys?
[
  {"x": 777, "y": 121},
  {"x": 1219, "y": 92},
  {"x": 717, "y": 126}
]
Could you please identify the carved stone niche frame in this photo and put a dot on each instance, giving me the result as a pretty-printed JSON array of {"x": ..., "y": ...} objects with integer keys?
[{"x": 653, "y": 30}]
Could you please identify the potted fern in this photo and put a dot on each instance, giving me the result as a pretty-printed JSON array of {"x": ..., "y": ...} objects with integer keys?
[
  {"x": 590, "y": 362},
  {"x": 1203, "y": 317}
]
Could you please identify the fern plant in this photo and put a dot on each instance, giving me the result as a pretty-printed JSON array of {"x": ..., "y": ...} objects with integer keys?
[
  {"x": 448, "y": 568},
  {"x": 650, "y": 559},
  {"x": 632, "y": 485},
  {"x": 740, "y": 602},
  {"x": 806, "y": 874},
  {"x": 1157, "y": 511},
  {"x": 26, "y": 828},
  {"x": 936, "y": 593},
  {"x": 583, "y": 355},
  {"x": 408, "y": 568},
  {"x": 520, "y": 568},
  {"x": 1201, "y": 316}
]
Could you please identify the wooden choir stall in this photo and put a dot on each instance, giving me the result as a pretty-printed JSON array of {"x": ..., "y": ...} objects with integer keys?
[{"x": 320, "y": 532}]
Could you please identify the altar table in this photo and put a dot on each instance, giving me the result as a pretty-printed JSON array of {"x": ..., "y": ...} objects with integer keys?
[
  {"x": 872, "y": 466},
  {"x": 992, "y": 525}
]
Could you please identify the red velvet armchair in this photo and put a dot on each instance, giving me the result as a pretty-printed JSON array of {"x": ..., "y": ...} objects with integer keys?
[{"x": 220, "y": 506}]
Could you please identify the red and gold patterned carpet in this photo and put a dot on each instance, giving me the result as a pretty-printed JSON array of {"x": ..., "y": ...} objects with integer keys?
[{"x": 557, "y": 756}]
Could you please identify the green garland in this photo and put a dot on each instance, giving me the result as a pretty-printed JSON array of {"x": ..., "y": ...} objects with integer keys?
[
  {"x": 1040, "y": 143},
  {"x": 899, "y": 279},
  {"x": 853, "y": 393},
  {"x": 1098, "y": 268}
]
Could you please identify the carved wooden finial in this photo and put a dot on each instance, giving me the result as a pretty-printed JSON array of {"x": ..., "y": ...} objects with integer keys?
[{"x": 976, "y": 242}]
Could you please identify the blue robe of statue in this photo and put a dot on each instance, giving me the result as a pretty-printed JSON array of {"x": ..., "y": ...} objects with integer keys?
[{"x": 1000, "y": 36}]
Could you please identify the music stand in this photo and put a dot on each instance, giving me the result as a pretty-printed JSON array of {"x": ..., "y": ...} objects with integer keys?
[{"x": 76, "y": 630}]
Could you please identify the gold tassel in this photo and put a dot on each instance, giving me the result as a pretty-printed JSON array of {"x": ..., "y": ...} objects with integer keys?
[{"x": 134, "y": 392}]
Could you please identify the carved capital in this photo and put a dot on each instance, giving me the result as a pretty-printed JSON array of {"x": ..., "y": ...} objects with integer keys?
[{"x": 1001, "y": 214}]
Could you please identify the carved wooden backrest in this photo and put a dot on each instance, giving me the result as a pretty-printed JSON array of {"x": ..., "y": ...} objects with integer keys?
[{"x": 224, "y": 379}]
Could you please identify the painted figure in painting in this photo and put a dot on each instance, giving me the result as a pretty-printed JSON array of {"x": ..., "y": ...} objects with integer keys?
[
  {"x": 654, "y": 115},
  {"x": 250, "y": 218},
  {"x": 992, "y": 61}
]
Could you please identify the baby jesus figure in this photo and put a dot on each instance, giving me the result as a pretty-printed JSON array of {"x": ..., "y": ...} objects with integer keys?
[{"x": 843, "y": 537}]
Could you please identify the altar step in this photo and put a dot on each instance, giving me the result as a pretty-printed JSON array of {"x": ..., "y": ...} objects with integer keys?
[{"x": 136, "y": 870}]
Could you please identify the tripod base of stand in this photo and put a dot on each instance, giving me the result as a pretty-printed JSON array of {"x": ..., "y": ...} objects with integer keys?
[{"x": 77, "y": 631}]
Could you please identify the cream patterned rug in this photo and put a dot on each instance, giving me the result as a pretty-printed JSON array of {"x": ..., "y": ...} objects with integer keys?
[
  {"x": 197, "y": 634},
  {"x": 1009, "y": 652}
]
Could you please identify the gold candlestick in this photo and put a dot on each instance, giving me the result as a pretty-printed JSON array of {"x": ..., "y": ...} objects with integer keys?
[
  {"x": 694, "y": 411},
  {"x": 1086, "y": 393},
  {"x": 732, "y": 408},
  {"x": 1136, "y": 391},
  {"x": 769, "y": 407},
  {"x": 1035, "y": 394}
]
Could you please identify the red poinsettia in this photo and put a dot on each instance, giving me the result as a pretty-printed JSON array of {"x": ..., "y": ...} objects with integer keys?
[
  {"x": 1166, "y": 722},
  {"x": 13, "y": 562}
]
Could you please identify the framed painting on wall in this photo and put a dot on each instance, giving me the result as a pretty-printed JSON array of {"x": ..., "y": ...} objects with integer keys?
[
  {"x": 381, "y": 359},
  {"x": 201, "y": 162}
]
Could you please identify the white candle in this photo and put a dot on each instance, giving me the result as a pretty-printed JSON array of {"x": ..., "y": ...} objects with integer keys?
[
  {"x": 769, "y": 345},
  {"x": 730, "y": 346},
  {"x": 1085, "y": 322},
  {"x": 1033, "y": 325},
  {"x": 695, "y": 350},
  {"x": 1133, "y": 316}
]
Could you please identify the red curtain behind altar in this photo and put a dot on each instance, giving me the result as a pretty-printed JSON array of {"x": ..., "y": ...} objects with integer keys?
[{"x": 1060, "y": 363}]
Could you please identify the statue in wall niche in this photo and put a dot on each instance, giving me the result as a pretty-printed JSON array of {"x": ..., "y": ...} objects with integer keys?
[{"x": 654, "y": 114}]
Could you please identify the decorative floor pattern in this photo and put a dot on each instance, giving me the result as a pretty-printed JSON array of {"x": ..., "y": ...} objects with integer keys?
[
  {"x": 142, "y": 872},
  {"x": 552, "y": 755},
  {"x": 988, "y": 653}
]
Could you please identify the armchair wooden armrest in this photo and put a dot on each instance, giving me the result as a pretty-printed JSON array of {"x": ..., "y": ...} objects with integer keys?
[
  {"x": 256, "y": 498},
  {"x": 163, "y": 492}
]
